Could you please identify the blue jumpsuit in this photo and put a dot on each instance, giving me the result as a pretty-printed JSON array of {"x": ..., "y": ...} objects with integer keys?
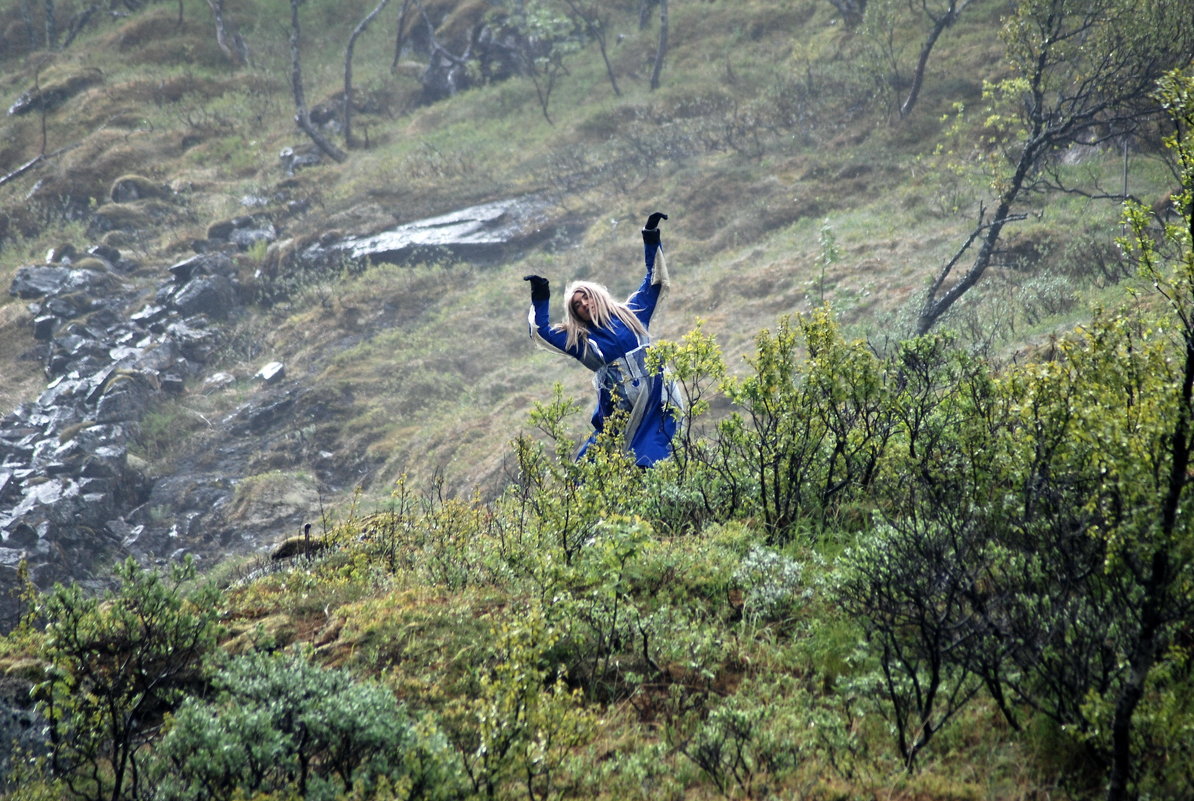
[{"x": 651, "y": 439}]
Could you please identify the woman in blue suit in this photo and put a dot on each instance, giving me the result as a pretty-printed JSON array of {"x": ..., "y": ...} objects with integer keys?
[{"x": 611, "y": 339}]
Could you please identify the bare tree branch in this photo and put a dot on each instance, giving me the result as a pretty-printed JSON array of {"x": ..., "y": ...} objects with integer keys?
[
  {"x": 1090, "y": 70},
  {"x": 940, "y": 23},
  {"x": 352, "y": 40},
  {"x": 302, "y": 117},
  {"x": 36, "y": 161},
  {"x": 24, "y": 168}
]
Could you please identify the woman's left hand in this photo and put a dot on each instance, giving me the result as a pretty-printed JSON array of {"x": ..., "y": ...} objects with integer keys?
[{"x": 653, "y": 220}]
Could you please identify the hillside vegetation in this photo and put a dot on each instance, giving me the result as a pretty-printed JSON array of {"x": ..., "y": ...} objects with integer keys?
[{"x": 955, "y": 565}]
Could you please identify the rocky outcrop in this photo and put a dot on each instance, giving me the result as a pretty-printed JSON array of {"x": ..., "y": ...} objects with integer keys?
[
  {"x": 22, "y": 728},
  {"x": 69, "y": 490},
  {"x": 484, "y": 233}
]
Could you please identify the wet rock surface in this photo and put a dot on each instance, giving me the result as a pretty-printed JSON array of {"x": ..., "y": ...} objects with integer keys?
[{"x": 480, "y": 233}]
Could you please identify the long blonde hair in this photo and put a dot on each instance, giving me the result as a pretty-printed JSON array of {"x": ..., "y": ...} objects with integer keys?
[{"x": 602, "y": 309}]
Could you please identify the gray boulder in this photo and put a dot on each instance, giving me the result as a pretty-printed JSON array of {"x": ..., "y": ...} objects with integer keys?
[
  {"x": 51, "y": 280},
  {"x": 39, "y": 281},
  {"x": 124, "y": 400},
  {"x": 212, "y": 295}
]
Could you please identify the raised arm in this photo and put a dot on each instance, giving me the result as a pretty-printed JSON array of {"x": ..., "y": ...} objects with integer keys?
[
  {"x": 655, "y": 281},
  {"x": 550, "y": 337},
  {"x": 539, "y": 320}
]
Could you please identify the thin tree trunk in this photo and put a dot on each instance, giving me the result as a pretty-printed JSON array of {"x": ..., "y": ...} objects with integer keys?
[
  {"x": 609, "y": 70},
  {"x": 1156, "y": 592},
  {"x": 596, "y": 29},
  {"x": 352, "y": 41},
  {"x": 301, "y": 117},
  {"x": 51, "y": 26},
  {"x": 400, "y": 37},
  {"x": 918, "y": 77},
  {"x": 227, "y": 38},
  {"x": 644, "y": 13},
  {"x": 662, "y": 50},
  {"x": 27, "y": 18}
]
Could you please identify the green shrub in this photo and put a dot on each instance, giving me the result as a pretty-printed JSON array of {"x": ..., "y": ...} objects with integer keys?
[
  {"x": 282, "y": 724},
  {"x": 116, "y": 665},
  {"x": 748, "y": 745},
  {"x": 524, "y": 726},
  {"x": 813, "y": 425}
]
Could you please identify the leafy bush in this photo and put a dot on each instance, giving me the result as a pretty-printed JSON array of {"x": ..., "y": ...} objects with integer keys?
[
  {"x": 769, "y": 580},
  {"x": 813, "y": 427},
  {"x": 524, "y": 725},
  {"x": 1031, "y": 535},
  {"x": 747, "y": 746},
  {"x": 117, "y": 664},
  {"x": 282, "y": 724}
]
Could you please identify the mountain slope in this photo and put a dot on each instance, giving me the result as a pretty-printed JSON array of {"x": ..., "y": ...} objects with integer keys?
[{"x": 772, "y": 143}]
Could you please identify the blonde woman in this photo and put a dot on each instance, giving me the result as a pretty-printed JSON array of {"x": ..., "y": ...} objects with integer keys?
[{"x": 611, "y": 339}]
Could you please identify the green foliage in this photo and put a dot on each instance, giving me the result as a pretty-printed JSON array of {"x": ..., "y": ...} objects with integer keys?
[
  {"x": 525, "y": 724},
  {"x": 904, "y": 589},
  {"x": 812, "y": 429},
  {"x": 746, "y": 746},
  {"x": 567, "y": 497},
  {"x": 280, "y": 724},
  {"x": 162, "y": 427},
  {"x": 429, "y": 537},
  {"x": 1035, "y": 539},
  {"x": 116, "y": 665},
  {"x": 770, "y": 582},
  {"x": 847, "y": 547},
  {"x": 684, "y": 492}
]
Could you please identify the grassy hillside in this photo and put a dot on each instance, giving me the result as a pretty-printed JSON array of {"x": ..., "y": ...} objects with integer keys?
[{"x": 773, "y": 142}]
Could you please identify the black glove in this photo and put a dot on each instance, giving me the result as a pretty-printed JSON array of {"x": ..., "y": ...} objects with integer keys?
[
  {"x": 651, "y": 229},
  {"x": 539, "y": 287}
]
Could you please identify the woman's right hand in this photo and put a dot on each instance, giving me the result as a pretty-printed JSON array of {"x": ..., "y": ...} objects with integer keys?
[{"x": 540, "y": 289}]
